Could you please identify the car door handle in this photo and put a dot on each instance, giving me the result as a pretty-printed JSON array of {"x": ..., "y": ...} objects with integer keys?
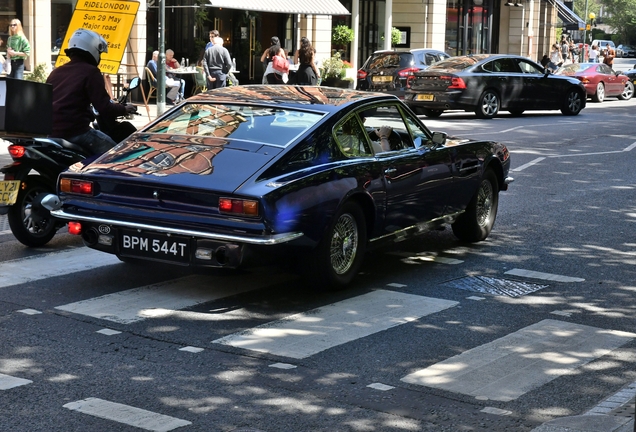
[{"x": 389, "y": 170}]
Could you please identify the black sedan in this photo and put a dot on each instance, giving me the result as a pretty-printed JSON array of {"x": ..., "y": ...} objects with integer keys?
[
  {"x": 390, "y": 71},
  {"x": 240, "y": 174},
  {"x": 489, "y": 83}
]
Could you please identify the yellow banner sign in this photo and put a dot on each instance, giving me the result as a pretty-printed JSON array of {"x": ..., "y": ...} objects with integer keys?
[{"x": 110, "y": 18}]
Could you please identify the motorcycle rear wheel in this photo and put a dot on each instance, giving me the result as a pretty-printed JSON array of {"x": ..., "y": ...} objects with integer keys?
[{"x": 27, "y": 227}]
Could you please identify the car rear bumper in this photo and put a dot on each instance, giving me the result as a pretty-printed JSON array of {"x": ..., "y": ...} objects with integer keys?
[{"x": 441, "y": 101}]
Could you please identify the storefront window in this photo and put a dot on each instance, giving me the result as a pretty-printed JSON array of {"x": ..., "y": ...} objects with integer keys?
[{"x": 468, "y": 27}]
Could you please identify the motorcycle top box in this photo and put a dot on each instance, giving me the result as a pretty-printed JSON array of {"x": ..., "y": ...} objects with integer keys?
[{"x": 26, "y": 107}]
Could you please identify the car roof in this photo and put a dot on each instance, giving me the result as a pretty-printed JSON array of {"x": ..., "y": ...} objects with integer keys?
[{"x": 326, "y": 99}]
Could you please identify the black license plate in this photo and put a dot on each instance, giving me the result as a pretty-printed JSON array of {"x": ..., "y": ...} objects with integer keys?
[{"x": 154, "y": 245}]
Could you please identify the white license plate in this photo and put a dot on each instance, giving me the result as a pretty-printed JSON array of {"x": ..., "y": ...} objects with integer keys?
[
  {"x": 424, "y": 97},
  {"x": 9, "y": 191},
  {"x": 382, "y": 79}
]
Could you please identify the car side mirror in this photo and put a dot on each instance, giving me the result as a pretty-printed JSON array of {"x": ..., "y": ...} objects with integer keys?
[{"x": 439, "y": 138}]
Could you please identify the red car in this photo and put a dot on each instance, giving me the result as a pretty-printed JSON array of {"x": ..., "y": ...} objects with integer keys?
[{"x": 600, "y": 80}]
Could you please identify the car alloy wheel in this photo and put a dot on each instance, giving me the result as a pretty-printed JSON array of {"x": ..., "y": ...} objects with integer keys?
[
  {"x": 600, "y": 93},
  {"x": 479, "y": 217},
  {"x": 573, "y": 103},
  {"x": 628, "y": 91},
  {"x": 488, "y": 105}
]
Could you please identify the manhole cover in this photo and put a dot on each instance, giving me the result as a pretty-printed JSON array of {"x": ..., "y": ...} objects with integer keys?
[{"x": 494, "y": 286}]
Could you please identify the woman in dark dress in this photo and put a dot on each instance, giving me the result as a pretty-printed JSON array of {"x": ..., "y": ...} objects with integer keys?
[{"x": 307, "y": 71}]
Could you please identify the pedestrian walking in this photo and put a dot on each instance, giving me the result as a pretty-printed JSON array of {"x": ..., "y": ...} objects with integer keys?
[
  {"x": 556, "y": 60},
  {"x": 18, "y": 49},
  {"x": 593, "y": 55},
  {"x": 609, "y": 57}
]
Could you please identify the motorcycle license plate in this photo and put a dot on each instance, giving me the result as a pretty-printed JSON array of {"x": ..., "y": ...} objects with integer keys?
[
  {"x": 424, "y": 97},
  {"x": 9, "y": 191},
  {"x": 155, "y": 246}
]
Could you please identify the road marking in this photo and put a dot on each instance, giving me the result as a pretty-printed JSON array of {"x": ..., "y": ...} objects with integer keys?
[
  {"x": 30, "y": 311},
  {"x": 8, "y": 382},
  {"x": 528, "y": 165},
  {"x": 305, "y": 334},
  {"x": 165, "y": 298},
  {"x": 380, "y": 386},
  {"x": 283, "y": 366},
  {"x": 427, "y": 257},
  {"x": 108, "y": 332},
  {"x": 539, "y": 159},
  {"x": 510, "y": 366},
  {"x": 191, "y": 349},
  {"x": 52, "y": 264},
  {"x": 496, "y": 411},
  {"x": 543, "y": 276},
  {"x": 126, "y": 414}
]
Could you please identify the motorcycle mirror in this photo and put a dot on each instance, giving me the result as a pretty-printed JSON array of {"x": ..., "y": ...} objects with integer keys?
[{"x": 134, "y": 83}]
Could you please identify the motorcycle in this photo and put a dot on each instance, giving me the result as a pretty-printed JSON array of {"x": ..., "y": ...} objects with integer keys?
[{"x": 32, "y": 176}]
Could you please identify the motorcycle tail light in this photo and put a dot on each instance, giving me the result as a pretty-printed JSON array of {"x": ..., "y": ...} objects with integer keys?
[
  {"x": 81, "y": 187},
  {"x": 238, "y": 207},
  {"x": 75, "y": 228},
  {"x": 16, "y": 151}
]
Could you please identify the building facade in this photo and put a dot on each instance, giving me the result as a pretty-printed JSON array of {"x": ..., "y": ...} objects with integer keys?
[{"x": 525, "y": 27}]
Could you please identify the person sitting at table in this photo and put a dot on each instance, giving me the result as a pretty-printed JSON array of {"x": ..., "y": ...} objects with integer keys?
[
  {"x": 172, "y": 64},
  {"x": 174, "y": 85}
]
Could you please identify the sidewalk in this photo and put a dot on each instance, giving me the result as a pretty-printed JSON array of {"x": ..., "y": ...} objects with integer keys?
[{"x": 588, "y": 423}]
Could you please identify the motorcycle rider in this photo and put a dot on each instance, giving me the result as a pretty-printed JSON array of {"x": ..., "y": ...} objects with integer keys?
[{"x": 77, "y": 85}]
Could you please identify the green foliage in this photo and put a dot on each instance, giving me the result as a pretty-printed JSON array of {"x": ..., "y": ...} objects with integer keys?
[
  {"x": 342, "y": 35},
  {"x": 395, "y": 36},
  {"x": 39, "y": 74},
  {"x": 621, "y": 15},
  {"x": 333, "y": 67}
]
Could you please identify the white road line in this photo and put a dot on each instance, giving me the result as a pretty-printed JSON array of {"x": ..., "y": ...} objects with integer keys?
[
  {"x": 8, "y": 382},
  {"x": 508, "y": 367},
  {"x": 380, "y": 386},
  {"x": 305, "y": 334},
  {"x": 126, "y": 414},
  {"x": 543, "y": 276},
  {"x": 52, "y": 264},
  {"x": 164, "y": 298},
  {"x": 631, "y": 147},
  {"x": 528, "y": 165}
]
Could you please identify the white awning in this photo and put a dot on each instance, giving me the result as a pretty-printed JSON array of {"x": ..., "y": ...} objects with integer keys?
[
  {"x": 567, "y": 15},
  {"x": 309, "y": 7}
]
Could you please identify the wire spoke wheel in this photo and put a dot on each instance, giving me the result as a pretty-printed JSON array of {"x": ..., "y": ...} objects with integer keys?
[
  {"x": 344, "y": 244},
  {"x": 484, "y": 203}
]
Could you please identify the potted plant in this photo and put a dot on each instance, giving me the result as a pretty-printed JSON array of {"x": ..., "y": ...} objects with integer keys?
[
  {"x": 334, "y": 72},
  {"x": 342, "y": 35},
  {"x": 396, "y": 35}
]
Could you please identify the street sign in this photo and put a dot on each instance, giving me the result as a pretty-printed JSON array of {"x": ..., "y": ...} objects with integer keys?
[{"x": 112, "y": 19}]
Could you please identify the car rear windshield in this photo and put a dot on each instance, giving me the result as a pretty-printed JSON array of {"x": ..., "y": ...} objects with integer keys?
[
  {"x": 391, "y": 60},
  {"x": 457, "y": 64},
  {"x": 262, "y": 124}
]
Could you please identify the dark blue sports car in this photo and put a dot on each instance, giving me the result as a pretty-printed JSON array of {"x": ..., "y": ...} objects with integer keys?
[{"x": 244, "y": 173}]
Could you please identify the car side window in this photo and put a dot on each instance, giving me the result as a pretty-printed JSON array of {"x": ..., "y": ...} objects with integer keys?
[
  {"x": 501, "y": 65},
  {"x": 386, "y": 121},
  {"x": 605, "y": 69},
  {"x": 529, "y": 68},
  {"x": 429, "y": 59},
  {"x": 352, "y": 139}
]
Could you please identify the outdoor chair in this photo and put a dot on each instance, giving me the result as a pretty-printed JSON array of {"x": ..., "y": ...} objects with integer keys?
[
  {"x": 200, "y": 84},
  {"x": 152, "y": 86}
]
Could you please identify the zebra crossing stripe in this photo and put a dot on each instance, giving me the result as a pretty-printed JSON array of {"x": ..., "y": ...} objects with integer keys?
[
  {"x": 508, "y": 367},
  {"x": 165, "y": 298},
  {"x": 8, "y": 382},
  {"x": 52, "y": 264},
  {"x": 543, "y": 276},
  {"x": 305, "y": 334},
  {"x": 126, "y": 414}
]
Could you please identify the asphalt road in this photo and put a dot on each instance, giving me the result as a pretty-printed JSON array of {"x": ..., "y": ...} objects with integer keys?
[{"x": 534, "y": 324}]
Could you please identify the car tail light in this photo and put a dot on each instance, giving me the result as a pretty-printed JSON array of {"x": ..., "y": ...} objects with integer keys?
[
  {"x": 9, "y": 176},
  {"x": 239, "y": 207},
  {"x": 584, "y": 80},
  {"x": 16, "y": 151},
  {"x": 80, "y": 187},
  {"x": 456, "y": 82},
  {"x": 75, "y": 228},
  {"x": 408, "y": 72},
  {"x": 362, "y": 74}
]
